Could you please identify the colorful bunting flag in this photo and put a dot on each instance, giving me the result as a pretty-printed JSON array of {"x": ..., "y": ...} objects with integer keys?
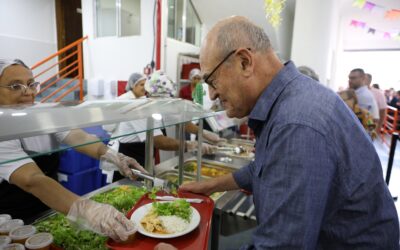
[
  {"x": 395, "y": 35},
  {"x": 359, "y": 3},
  {"x": 369, "y": 6},
  {"x": 391, "y": 14},
  {"x": 371, "y": 30},
  {"x": 387, "y": 35}
]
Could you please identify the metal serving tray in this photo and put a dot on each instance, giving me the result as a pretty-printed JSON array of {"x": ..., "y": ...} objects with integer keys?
[{"x": 207, "y": 169}]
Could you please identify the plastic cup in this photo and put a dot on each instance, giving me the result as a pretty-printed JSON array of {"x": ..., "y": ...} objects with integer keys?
[
  {"x": 4, "y": 241},
  {"x": 14, "y": 246},
  {"x": 9, "y": 225},
  {"x": 40, "y": 241},
  {"x": 21, "y": 234}
]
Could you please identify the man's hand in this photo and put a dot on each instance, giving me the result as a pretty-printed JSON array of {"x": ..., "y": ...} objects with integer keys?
[
  {"x": 164, "y": 246},
  {"x": 208, "y": 187},
  {"x": 201, "y": 187}
]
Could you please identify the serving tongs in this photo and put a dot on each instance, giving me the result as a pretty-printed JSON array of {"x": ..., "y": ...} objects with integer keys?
[
  {"x": 165, "y": 185},
  {"x": 236, "y": 150}
]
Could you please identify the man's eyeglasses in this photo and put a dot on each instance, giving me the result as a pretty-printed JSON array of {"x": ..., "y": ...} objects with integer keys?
[
  {"x": 15, "y": 87},
  {"x": 207, "y": 77}
]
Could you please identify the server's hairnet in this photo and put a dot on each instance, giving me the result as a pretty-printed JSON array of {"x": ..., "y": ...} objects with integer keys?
[
  {"x": 4, "y": 63},
  {"x": 133, "y": 80},
  {"x": 194, "y": 72},
  {"x": 308, "y": 72},
  {"x": 158, "y": 84}
]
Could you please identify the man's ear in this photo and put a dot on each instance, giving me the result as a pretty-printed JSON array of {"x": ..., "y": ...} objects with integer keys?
[{"x": 246, "y": 62}]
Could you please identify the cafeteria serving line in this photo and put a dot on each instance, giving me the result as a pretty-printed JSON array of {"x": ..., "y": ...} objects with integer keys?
[{"x": 191, "y": 124}]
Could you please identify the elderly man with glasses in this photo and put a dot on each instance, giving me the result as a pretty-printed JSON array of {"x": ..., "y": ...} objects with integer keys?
[{"x": 316, "y": 179}]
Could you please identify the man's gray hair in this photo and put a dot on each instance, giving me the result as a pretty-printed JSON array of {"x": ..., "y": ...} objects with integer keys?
[
  {"x": 5, "y": 63},
  {"x": 308, "y": 72},
  {"x": 241, "y": 33}
]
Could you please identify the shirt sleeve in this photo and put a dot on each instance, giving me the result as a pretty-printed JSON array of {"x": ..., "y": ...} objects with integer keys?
[
  {"x": 11, "y": 150},
  {"x": 374, "y": 109},
  {"x": 244, "y": 176},
  {"x": 291, "y": 185}
]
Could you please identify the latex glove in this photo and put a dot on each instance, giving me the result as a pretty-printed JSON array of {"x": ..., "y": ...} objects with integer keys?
[
  {"x": 212, "y": 137},
  {"x": 123, "y": 162},
  {"x": 101, "y": 218},
  {"x": 205, "y": 147}
]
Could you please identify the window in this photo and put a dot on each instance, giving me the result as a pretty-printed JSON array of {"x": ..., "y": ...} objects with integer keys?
[
  {"x": 183, "y": 22},
  {"x": 193, "y": 25},
  {"x": 117, "y": 17}
]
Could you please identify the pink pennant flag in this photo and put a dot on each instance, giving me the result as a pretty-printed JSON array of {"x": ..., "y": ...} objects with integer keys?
[
  {"x": 369, "y": 6},
  {"x": 387, "y": 35},
  {"x": 354, "y": 23}
]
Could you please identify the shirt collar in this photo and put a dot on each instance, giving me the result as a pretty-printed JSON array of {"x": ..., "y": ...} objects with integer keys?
[{"x": 272, "y": 91}]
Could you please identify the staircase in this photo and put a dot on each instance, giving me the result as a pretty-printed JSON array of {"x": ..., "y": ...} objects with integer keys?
[{"x": 61, "y": 75}]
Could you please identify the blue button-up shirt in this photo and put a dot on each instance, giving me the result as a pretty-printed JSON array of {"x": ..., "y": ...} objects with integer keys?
[{"x": 316, "y": 179}]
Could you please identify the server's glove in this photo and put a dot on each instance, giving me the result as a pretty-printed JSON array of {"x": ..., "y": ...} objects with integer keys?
[
  {"x": 101, "y": 218},
  {"x": 205, "y": 147},
  {"x": 123, "y": 162},
  {"x": 212, "y": 137}
]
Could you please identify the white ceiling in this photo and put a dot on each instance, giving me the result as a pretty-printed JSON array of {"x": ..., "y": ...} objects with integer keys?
[
  {"x": 210, "y": 11},
  {"x": 358, "y": 38}
]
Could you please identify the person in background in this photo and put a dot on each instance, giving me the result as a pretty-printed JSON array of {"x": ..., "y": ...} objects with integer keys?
[
  {"x": 364, "y": 96},
  {"x": 380, "y": 101},
  {"x": 350, "y": 98},
  {"x": 308, "y": 72},
  {"x": 29, "y": 186},
  {"x": 395, "y": 101},
  {"x": 134, "y": 87},
  {"x": 134, "y": 145},
  {"x": 316, "y": 179},
  {"x": 186, "y": 91}
]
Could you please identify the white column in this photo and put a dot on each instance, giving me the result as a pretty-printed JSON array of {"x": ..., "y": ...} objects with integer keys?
[{"x": 315, "y": 36}]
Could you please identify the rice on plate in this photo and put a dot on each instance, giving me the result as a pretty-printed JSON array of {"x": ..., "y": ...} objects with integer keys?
[{"x": 167, "y": 217}]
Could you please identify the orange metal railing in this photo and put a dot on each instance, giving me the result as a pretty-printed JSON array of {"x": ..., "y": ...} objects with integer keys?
[
  {"x": 70, "y": 67},
  {"x": 390, "y": 124}
]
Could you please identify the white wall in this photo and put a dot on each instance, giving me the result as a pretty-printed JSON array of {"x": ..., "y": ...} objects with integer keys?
[
  {"x": 382, "y": 65},
  {"x": 115, "y": 58},
  {"x": 27, "y": 29},
  {"x": 315, "y": 36},
  {"x": 172, "y": 50}
]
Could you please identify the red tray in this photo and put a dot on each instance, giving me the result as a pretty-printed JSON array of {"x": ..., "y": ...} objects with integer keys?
[{"x": 197, "y": 239}]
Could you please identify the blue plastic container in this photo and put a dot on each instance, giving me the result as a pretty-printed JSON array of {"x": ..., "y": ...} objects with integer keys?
[
  {"x": 72, "y": 161},
  {"x": 82, "y": 182}
]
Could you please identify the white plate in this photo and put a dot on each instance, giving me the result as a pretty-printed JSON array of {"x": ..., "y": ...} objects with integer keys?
[{"x": 143, "y": 210}]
